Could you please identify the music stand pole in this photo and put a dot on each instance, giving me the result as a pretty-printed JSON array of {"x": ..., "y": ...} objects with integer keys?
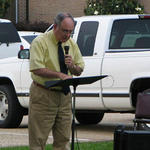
[{"x": 73, "y": 116}]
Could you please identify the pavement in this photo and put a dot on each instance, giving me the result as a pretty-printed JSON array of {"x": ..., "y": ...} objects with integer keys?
[{"x": 83, "y": 133}]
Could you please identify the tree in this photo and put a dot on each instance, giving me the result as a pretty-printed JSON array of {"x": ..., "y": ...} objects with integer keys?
[
  {"x": 4, "y": 5},
  {"x": 100, "y": 7}
]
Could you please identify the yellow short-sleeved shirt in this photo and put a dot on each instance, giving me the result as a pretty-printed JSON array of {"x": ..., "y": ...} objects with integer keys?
[{"x": 44, "y": 54}]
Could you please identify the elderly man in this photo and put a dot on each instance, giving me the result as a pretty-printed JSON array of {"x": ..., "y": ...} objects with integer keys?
[{"x": 50, "y": 109}]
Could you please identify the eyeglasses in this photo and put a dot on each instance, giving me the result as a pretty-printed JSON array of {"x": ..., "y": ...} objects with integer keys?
[{"x": 65, "y": 31}]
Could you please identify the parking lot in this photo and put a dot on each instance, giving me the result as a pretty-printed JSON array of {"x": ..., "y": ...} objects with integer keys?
[{"x": 84, "y": 133}]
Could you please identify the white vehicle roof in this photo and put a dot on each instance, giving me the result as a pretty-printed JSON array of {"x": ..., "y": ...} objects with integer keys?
[
  {"x": 108, "y": 17},
  {"x": 102, "y": 17},
  {"x": 24, "y": 33},
  {"x": 4, "y": 20}
]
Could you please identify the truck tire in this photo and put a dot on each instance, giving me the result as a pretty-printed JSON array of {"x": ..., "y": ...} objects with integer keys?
[
  {"x": 89, "y": 118},
  {"x": 10, "y": 110}
]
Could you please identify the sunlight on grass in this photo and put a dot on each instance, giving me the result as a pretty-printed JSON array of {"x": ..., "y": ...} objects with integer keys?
[{"x": 79, "y": 146}]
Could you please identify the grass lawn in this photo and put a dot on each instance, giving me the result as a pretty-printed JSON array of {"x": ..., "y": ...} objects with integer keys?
[{"x": 79, "y": 146}]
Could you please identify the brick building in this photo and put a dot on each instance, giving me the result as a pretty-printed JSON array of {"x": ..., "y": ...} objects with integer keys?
[{"x": 44, "y": 10}]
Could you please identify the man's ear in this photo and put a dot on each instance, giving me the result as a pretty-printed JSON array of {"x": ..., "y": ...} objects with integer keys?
[{"x": 55, "y": 26}]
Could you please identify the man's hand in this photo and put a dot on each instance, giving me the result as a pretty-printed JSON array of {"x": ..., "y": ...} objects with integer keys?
[
  {"x": 68, "y": 61},
  {"x": 74, "y": 69},
  {"x": 63, "y": 76}
]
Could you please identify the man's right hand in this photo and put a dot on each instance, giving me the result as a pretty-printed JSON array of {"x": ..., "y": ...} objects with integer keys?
[{"x": 63, "y": 76}]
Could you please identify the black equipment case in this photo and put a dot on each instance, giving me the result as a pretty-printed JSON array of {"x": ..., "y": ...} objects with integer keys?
[{"x": 131, "y": 139}]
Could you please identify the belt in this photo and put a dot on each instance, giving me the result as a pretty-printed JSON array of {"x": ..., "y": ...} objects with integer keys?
[{"x": 42, "y": 86}]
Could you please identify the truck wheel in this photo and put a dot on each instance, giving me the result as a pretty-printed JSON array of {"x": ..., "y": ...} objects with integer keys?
[
  {"x": 10, "y": 110},
  {"x": 89, "y": 118}
]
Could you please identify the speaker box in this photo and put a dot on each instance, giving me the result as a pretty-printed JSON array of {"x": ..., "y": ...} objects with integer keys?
[{"x": 131, "y": 140}]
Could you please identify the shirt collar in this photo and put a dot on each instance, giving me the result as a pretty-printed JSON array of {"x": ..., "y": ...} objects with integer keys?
[{"x": 53, "y": 37}]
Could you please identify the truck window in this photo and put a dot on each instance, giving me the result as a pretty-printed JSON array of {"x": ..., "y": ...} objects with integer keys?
[
  {"x": 8, "y": 33},
  {"x": 130, "y": 34},
  {"x": 86, "y": 37}
]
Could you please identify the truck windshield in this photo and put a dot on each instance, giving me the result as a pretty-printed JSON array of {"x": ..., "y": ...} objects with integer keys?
[
  {"x": 130, "y": 34},
  {"x": 8, "y": 33}
]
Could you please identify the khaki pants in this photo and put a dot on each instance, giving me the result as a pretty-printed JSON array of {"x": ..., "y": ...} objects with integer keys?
[{"x": 48, "y": 111}]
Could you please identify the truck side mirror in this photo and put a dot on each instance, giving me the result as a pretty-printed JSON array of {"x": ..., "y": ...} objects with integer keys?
[{"x": 24, "y": 54}]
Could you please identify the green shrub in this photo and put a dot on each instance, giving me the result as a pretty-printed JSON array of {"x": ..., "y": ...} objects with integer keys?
[
  {"x": 4, "y": 5},
  {"x": 102, "y": 7}
]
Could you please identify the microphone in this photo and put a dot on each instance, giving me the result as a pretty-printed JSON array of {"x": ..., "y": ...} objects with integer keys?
[{"x": 66, "y": 50}]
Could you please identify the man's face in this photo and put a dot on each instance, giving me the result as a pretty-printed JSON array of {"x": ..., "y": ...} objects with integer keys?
[{"x": 64, "y": 31}]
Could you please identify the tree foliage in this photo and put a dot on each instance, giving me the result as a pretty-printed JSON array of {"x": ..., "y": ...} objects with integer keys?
[
  {"x": 100, "y": 7},
  {"x": 4, "y": 5}
]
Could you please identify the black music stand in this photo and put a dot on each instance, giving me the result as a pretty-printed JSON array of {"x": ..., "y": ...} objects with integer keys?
[{"x": 74, "y": 82}]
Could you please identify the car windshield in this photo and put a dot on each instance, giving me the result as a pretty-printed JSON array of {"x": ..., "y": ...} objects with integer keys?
[{"x": 29, "y": 38}]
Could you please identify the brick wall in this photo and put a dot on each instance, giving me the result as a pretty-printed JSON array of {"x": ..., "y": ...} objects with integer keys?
[
  {"x": 146, "y": 4},
  {"x": 21, "y": 10},
  {"x": 45, "y": 10}
]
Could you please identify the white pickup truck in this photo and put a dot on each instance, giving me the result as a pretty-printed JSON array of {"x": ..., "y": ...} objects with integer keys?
[{"x": 113, "y": 45}]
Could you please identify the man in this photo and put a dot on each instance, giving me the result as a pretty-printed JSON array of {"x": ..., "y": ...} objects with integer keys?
[{"x": 50, "y": 109}]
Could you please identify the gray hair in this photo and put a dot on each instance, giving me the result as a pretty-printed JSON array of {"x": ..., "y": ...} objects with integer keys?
[{"x": 61, "y": 16}]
